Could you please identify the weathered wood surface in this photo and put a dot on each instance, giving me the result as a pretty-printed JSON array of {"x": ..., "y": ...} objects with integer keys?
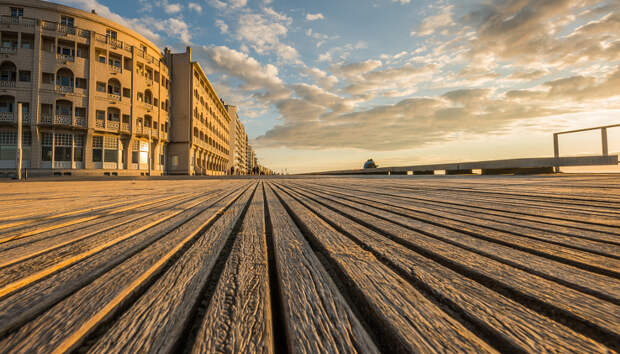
[{"x": 312, "y": 264}]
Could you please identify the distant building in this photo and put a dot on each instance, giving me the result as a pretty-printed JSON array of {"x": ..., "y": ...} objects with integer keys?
[
  {"x": 200, "y": 135},
  {"x": 237, "y": 164}
]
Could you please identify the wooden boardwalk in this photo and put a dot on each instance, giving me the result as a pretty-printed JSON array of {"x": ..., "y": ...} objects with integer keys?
[{"x": 315, "y": 264}]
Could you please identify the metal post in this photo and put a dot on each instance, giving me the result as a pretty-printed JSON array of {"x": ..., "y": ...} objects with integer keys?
[
  {"x": 604, "y": 141},
  {"x": 19, "y": 142},
  {"x": 556, "y": 152}
]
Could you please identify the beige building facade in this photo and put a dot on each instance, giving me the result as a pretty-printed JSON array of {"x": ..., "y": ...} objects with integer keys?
[
  {"x": 200, "y": 135},
  {"x": 237, "y": 164},
  {"x": 94, "y": 94}
]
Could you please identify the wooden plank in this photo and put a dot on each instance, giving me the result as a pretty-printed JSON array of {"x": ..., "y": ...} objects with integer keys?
[
  {"x": 592, "y": 311},
  {"x": 68, "y": 322},
  {"x": 34, "y": 297},
  {"x": 493, "y": 312},
  {"x": 564, "y": 249},
  {"x": 157, "y": 319},
  {"x": 317, "y": 317},
  {"x": 238, "y": 319},
  {"x": 414, "y": 323}
]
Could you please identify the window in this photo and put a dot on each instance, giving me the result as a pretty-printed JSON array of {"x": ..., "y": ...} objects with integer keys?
[
  {"x": 24, "y": 76},
  {"x": 27, "y": 41},
  {"x": 115, "y": 62},
  {"x": 140, "y": 97},
  {"x": 67, "y": 21},
  {"x": 17, "y": 11},
  {"x": 65, "y": 48},
  {"x": 100, "y": 86},
  {"x": 100, "y": 115},
  {"x": 81, "y": 83},
  {"x": 78, "y": 148},
  {"x": 127, "y": 92},
  {"x": 101, "y": 59},
  {"x": 48, "y": 44},
  {"x": 48, "y": 78},
  {"x": 80, "y": 112},
  {"x": 110, "y": 33},
  {"x": 155, "y": 102},
  {"x": 127, "y": 63},
  {"x": 46, "y": 146},
  {"x": 98, "y": 148},
  {"x": 63, "y": 147},
  {"x": 110, "y": 146},
  {"x": 135, "y": 151}
]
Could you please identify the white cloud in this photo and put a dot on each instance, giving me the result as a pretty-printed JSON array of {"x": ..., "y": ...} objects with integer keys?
[
  {"x": 195, "y": 7},
  {"x": 433, "y": 23},
  {"x": 314, "y": 17},
  {"x": 221, "y": 25},
  {"x": 172, "y": 8}
]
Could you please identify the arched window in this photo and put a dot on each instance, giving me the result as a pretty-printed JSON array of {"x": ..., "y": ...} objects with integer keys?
[
  {"x": 64, "y": 77},
  {"x": 114, "y": 87},
  {"x": 7, "y": 104},
  {"x": 148, "y": 96},
  {"x": 8, "y": 71}
]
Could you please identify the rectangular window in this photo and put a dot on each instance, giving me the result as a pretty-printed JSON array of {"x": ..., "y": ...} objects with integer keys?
[
  {"x": 81, "y": 83},
  {"x": 82, "y": 51},
  {"x": 24, "y": 76},
  {"x": 63, "y": 147},
  {"x": 100, "y": 115},
  {"x": 101, "y": 59},
  {"x": 110, "y": 145},
  {"x": 78, "y": 148},
  {"x": 80, "y": 112},
  {"x": 27, "y": 41},
  {"x": 17, "y": 11},
  {"x": 97, "y": 148},
  {"x": 110, "y": 33},
  {"x": 100, "y": 86},
  {"x": 48, "y": 78},
  {"x": 127, "y": 63},
  {"x": 46, "y": 147},
  {"x": 67, "y": 21},
  {"x": 127, "y": 92}
]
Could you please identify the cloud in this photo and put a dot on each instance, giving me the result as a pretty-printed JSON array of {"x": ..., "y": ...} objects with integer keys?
[
  {"x": 433, "y": 23},
  {"x": 314, "y": 17},
  {"x": 172, "y": 8},
  {"x": 222, "y": 26},
  {"x": 322, "y": 78},
  {"x": 195, "y": 7}
]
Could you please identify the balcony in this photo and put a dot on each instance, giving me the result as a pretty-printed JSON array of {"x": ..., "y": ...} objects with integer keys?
[
  {"x": 7, "y": 83},
  {"x": 23, "y": 21},
  {"x": 148, "y": 106},
  {"x": 64, "y": 89},
  {"x": 81, "y": 122},
  {"x": 8, "y": 50},
  {"x": 114, "y": 96},
  {"x": 114, "y": 125},
  {"x": 63, "y": 119},
  {"x": 100, "y": 123},
  {"x": 125, "y": 127},
  {"x": 65, "y": 57},
  {"x": 114, "y": 68},
  {"x": 46, "y": 118},
  {"x": 7, "y": 117}
]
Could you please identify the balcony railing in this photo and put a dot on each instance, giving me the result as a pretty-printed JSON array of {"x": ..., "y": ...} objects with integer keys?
[
  {"x": 148, "y": 106},
  {"x": 6, "y": 117},
  {"x": 81, "y": 122},
  {"x": 114, "y": 125},
  {"x": 46, "y": 118},
  {"x": 10, "y": 20},
  {"x": 7, "y": 83},
  {"x": 100, "y": 123},
  {"x": 115, "y": 68},
  {"x": 114, "y": 96},
  {"x": 64, "y": 89},
  {"x": 8, "y": 50},
  {"x": 63, "y": 119},
  {"x": 67, "y": 29},
  {"x": 125, "y": 127},
  {"x": 65, "y": 57}
]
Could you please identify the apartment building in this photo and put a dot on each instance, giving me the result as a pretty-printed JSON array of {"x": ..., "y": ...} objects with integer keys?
[
  {"x": 94, "y": 94},
  {"x": 200, "y": 134},
  {"x": 237, "y": 164}
]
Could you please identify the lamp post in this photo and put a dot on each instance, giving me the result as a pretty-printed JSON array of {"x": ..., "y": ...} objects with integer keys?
[{"x": 18, "y": 156}]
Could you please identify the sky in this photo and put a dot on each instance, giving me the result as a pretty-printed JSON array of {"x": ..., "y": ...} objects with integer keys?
[{"x": 324, "y": 85}]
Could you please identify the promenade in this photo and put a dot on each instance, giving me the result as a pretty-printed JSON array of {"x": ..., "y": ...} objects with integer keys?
[{"x": 312, "y": 264}]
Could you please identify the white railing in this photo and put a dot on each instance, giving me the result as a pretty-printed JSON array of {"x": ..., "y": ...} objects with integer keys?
[
  {"x": 7, "y": 117},
  {"x": 10, "y": 20},
  {"x": 100, "y": 123},
  {"x": 7, "y": 83},
  {"x": 125, "y": 127},
  {"x": 113, "y": 125},
  {"x": 65, "y": 57},
  {"x": 114, "y": 96},
  {"x": 64, "y": 89},
  {"x": 66, "y": 29},
  {"x": 8, "y": 50},
  {"x": 64, "y": 119}
]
